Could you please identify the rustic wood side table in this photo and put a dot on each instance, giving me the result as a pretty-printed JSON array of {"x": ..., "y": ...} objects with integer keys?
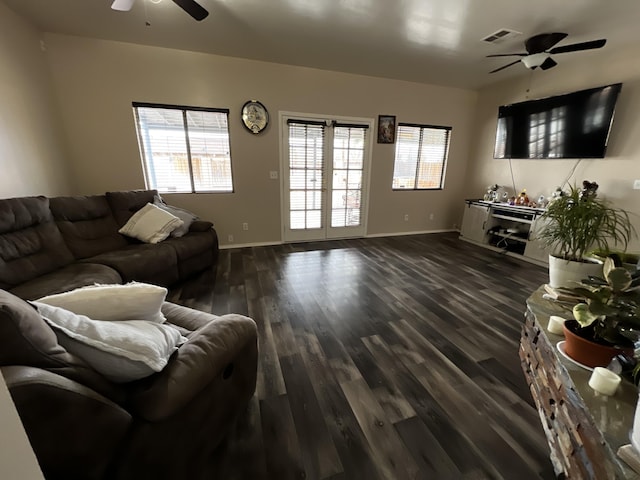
[{"x": 584, "y": 428}]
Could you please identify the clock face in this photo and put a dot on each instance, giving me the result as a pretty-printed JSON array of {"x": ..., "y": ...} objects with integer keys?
[{"x": 255, "y": 116}]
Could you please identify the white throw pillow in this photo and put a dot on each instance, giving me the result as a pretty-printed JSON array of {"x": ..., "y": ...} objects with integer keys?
[
  {"x": 150, "y": 224},
  {"x": 185, "y": 215},
  {"x": 132, "y": 301},
  {"x": 121, "y": 351}
]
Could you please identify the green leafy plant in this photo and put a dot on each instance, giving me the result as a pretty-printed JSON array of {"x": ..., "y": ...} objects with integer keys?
[
  {"x": 577, "y": 222},
  {"x": 610, "y": 306}
]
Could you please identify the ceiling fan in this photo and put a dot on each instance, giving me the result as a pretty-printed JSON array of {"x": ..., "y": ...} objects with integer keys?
[
  {"x": 539, "y": 50},
  {"x": 193, "y": 8}
]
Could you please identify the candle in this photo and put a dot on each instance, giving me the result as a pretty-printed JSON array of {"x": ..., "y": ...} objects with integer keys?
[
  {"x": 555, "y": 324},
  {"x": 604, "y": 381}
]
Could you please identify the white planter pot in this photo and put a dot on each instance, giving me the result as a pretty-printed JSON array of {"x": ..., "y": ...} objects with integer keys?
[
  {"x": 565, "y": 273},
  {"x": 635, "y": 433}
]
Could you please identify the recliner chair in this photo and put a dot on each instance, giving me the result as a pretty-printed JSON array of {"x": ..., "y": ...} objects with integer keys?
[{"x": 167, "y": 425}]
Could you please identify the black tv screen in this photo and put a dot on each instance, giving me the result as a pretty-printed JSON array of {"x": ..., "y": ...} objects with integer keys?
[{"x": 574, "y": 125}]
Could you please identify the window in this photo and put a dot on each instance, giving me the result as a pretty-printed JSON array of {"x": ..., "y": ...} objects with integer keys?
[
  {"x": 421, "y": 157},
  {"x": 184, "y": 149}
]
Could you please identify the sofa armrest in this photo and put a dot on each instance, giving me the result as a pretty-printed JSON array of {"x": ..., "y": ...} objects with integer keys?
[
  {"x": 208, "y": 354},
  {"x": 200, "y": 226},
  {"x": 74, "y": 431}
]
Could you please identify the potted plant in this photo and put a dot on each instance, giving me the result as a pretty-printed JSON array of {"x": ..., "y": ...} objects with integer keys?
[
  {"x": 607, "y": 319},
  {"x": 573, "y": 224}
]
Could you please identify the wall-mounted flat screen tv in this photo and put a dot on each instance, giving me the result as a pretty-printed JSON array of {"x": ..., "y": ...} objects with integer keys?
[{"x": 574, "y": 125}]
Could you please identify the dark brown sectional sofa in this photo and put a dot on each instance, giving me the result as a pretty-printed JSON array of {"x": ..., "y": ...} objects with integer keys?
[
  {"x": 81, "y": 425},
  {"x": 51, "y": 245}
]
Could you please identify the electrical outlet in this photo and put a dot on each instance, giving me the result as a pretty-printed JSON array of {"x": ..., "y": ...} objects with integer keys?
[
  {"x": 245, "y": 226},
  {"x": 273, "y": 175},
  {"x": 230, "y": 238},
  {"x": 406, "y": 217},
  {"x": 431, "y": 216}
]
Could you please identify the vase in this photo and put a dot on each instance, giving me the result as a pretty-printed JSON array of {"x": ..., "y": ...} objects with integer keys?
[
  {"x": 566, "y": 273},
  {"x": 635, "y": 433},
  {"x": 588, "y": 352}
]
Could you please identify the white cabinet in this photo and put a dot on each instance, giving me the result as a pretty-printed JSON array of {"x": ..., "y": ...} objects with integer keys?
[
  {"x": 535, "y": 249},
  {"x": 507, "y": 228},
  {"x": 474, "y": 222}
]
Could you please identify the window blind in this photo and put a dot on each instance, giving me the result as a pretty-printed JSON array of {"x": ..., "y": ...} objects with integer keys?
[
  {"x": 306, "y": 170},
  {"x": 348, "y": 164},
  {"x": 184, "y": 149},
  {"x": 421, "y": 156}
]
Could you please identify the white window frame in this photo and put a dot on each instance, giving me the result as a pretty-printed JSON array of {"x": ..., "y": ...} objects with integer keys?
[
  {"x": 195, "y": 185},
  {"x": 421, "y": 130}
]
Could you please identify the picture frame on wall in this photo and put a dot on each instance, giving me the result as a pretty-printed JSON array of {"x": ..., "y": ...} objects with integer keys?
[{"x": 386, "y": 128}]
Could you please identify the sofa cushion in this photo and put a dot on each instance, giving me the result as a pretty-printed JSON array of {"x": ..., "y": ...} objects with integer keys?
[
  {"x": 185, "y": 215},
  {"x": 133, "y": 301},
  {"x": 125, "y": 204},
  {"x": 30, "y": 243},
  {"x": 87, "y": 225},
  {"x": 28, "y": 340},
  {"x": 147, "y": 263},
  {"x": 151, "y": 224},
  {"x": 121, "y": 351},
  {"x": 66, "y": 278}
]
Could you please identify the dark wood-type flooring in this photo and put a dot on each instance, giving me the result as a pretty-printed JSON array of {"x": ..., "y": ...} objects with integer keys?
[{"x": 381, "y": 358}]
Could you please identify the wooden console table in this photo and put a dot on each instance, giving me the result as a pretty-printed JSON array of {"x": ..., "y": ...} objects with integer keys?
[{"x": 584, "y": 428}]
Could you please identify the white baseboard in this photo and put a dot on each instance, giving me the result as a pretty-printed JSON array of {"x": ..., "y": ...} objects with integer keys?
[
  {"x": 399, "y": 234},
  {"x": 374, "y": 235},
  {"x": 248, "y": 245}
]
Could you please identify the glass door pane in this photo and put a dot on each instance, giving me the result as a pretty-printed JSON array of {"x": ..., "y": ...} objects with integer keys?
[
  {"x": 306, "y": 176},
  {"x": 348, "y": 166}
]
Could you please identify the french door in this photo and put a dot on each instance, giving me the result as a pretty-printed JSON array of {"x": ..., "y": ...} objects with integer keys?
[{"x": 325, "y": 171}]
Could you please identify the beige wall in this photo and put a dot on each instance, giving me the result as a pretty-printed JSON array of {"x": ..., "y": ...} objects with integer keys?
[
  {"x": 32, "y": 161},
  {"x": 615, "y": 173},
  {"x": 96, "y": 81}
]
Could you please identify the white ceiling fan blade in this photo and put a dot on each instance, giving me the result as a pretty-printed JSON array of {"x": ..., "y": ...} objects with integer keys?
[{"x": 122, "y": 5}]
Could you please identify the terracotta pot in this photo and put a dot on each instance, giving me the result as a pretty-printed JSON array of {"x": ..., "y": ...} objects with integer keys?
[{"x": 587, "y": 352}]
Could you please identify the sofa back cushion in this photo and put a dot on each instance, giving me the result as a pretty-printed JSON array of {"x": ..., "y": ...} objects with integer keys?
[
  {"x": 125, "y": 204},
  {"x": 87, "y": 225},
  {"x": 30, "y": 243}
]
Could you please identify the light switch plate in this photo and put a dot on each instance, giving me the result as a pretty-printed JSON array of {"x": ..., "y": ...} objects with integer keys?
[{"x": 636, "y": 184}]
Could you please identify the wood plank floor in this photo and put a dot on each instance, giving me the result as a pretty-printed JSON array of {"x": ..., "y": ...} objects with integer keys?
[{"x": 382, "y": 358}]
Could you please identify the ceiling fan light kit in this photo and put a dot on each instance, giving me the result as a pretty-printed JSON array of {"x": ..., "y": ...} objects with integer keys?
[
  {"x": 539, "y": 50},
  {"x": 122, "y": 5},
  {"x": 535, "y": 60}
]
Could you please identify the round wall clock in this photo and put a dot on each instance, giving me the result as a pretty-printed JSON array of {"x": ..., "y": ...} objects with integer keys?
[{"x": 255, "y": 116}]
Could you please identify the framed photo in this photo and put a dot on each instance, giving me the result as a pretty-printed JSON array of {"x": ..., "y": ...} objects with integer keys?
[{"x": 386, "y": 128}]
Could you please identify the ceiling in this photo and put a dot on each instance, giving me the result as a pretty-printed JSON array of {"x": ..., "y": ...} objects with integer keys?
[{"x": 427, "y": 41}]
